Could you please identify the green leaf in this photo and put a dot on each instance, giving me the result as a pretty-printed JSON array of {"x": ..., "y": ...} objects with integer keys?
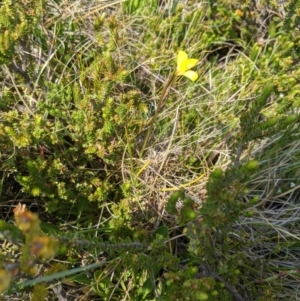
[
  {"x": 60, "y": 274},
  {"x": 272, "y": 29},
  {"x": 147, "y": 287},
  {"x": 83, "y": 279},
  {"x": 49, "y": 228},
  {"x": 9, "y": 230},
  {"x": 163, "y": 231},
  {"x": 81, "y": 204}
]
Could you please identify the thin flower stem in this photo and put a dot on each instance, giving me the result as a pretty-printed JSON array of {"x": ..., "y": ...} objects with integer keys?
[{"x": 163, "y": 96}]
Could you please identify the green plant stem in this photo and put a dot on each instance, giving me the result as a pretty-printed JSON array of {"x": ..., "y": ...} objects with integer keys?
[
  {"x": 163, "y": 96},
  {"x": 60, "y": 274},
  {"x": 129, "y": 147},
  {"x": 279, "y": 275}
]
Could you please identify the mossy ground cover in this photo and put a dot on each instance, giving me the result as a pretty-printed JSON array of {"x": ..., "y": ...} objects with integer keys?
[{"x": 133, "y": 181}]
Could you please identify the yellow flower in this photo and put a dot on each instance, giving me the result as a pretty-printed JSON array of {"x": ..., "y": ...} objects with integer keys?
[
  {"x": 184, "y": 64},
  {"x": 239, "y": 13}
]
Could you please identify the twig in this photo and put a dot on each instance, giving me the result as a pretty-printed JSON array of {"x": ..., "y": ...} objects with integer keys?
[{"x": 103, "y": 245}]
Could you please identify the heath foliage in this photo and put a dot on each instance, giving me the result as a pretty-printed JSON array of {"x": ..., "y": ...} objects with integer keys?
[{"x": 139, "y": 182}]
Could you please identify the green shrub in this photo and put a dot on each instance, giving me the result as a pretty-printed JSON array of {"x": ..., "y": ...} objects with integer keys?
[{"x": 170, "y": 182}]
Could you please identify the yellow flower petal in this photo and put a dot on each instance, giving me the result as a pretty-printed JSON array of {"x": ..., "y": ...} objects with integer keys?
[
  {"x": 181, "y": 61},
  {"x": 192, "y": 75},
  {"x": 190, "y": 63},
  {"x": 184, "y": 64}
]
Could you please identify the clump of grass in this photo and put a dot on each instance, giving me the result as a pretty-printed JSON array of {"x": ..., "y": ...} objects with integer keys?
[{"x": 202, "y": 175}]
